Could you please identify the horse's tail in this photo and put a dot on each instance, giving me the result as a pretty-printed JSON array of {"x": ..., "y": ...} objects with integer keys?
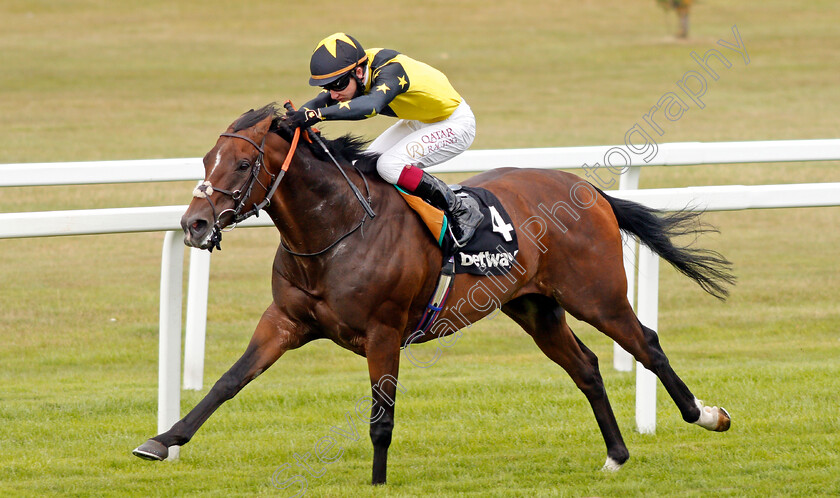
[{"x": 655, "y": 229}]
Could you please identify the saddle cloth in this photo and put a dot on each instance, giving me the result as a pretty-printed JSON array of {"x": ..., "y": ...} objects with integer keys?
[{"x": 491, "y": 251}]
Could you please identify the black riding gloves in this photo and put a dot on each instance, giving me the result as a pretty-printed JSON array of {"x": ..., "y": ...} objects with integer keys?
[{"x": 303, "y": 118}]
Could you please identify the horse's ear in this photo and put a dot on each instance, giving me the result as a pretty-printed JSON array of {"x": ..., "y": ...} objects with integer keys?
[{"x": 263, "y": 126}]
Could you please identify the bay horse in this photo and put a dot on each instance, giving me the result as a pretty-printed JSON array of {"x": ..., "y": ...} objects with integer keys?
[{"x": 364, "y": 282}]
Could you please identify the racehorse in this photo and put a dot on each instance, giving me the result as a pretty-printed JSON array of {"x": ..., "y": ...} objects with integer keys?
[{"x": 364, "y": 282}]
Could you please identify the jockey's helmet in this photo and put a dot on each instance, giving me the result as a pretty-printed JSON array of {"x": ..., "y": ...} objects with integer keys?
[{"x": 335, "y": 56}]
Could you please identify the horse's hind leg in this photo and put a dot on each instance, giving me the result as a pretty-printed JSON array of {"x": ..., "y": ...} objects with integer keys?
[
  {"x": 270, "y": 340},
  {"x": 545, "y": 321},
  {"x": 617, "y": 320},
  {"x": 710, "y": 417}
]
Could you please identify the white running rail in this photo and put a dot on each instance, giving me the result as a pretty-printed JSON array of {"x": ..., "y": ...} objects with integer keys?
[{"x": 166, "y": 218}]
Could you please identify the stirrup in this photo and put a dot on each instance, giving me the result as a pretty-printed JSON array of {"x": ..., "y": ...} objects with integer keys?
[
  {"x": 467, "y": 231},
  {"x": 467, "y": 239},
  {"x": 455, "y": 239},
  {"x": 470, "y": 211}
]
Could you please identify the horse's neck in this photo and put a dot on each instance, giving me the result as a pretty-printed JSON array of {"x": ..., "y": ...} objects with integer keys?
[{"x": 313, "y": 205}]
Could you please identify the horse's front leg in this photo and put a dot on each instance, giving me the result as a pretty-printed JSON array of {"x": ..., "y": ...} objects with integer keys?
[
  {"x": 275, "y": 334},
  {"x": 383, "y": 356}
]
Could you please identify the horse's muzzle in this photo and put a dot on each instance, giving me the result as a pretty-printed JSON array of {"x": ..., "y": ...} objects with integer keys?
[{"x": 197, "y": 231}]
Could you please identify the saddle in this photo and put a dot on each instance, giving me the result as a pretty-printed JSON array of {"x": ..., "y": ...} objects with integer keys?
[
  {"x": 491, "y": 251},
  {"x": 434, "y": 218}
]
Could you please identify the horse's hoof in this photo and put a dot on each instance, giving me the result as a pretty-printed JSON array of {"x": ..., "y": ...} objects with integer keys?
[
  {"x": 611, "y": 465},
  {"x": 724, "y": 420},
  {"x": 151, "y": 450},
  {"x": 713, "y": 418}
]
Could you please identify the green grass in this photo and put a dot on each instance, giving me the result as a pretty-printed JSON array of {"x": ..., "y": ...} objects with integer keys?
[{"x": 90, "y": 80}]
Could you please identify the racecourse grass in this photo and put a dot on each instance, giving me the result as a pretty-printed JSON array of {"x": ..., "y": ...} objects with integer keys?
[{"x": 91, "y": 80}]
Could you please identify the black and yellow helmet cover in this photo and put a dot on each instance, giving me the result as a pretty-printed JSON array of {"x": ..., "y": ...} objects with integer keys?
[{"x": 335, "y": 56}]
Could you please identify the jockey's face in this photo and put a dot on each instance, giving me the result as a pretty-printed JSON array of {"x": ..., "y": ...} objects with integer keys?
[{"x": 350, "y": 90}]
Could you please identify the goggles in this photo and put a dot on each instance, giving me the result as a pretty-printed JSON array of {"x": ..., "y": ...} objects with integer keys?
[{"x": 338, "y": 85}]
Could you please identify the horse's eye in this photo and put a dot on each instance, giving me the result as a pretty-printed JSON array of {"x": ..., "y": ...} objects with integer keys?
[{"x": 243, "y": 165}]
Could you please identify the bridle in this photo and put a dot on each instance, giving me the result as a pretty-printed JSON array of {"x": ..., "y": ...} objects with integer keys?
[{"x": 205, "y": 189}]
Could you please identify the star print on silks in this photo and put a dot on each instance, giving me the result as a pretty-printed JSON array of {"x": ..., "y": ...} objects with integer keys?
[
  {"x": 344, "y": 105},
  {"x": 382, "y": 88},
  {"x": 402, "y": 81},
  {"x": 331, "y": 43},
  {"x": 372, "y": 113}
]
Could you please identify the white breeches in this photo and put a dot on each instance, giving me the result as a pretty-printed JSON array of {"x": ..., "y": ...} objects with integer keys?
[{"x": 410, "y": 142}]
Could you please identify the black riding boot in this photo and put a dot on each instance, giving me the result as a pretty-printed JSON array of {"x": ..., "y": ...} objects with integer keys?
[{"x": 463, "y": 213}]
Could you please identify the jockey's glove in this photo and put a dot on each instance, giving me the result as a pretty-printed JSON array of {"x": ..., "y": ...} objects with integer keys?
[{"x": 303, "y": 118}]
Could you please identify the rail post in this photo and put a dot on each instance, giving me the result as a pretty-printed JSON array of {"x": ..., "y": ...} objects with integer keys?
[{"x": 169, "y": 349}]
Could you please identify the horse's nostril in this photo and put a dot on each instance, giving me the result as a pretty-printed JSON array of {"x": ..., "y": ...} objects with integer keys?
[{"x": 198, "y": 227}]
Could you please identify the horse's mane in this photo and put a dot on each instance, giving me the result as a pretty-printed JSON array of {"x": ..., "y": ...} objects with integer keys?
[{"x": 347, "y": 147}]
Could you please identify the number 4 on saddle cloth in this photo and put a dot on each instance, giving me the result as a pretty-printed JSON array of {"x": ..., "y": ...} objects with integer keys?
[{"x": 491, "y": 251}]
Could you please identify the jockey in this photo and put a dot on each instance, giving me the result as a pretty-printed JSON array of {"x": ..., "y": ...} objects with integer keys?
[{"x": 435, "y": 123}]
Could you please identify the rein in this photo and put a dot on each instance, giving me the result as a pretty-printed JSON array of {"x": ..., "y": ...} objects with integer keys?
[
  {"x": 364, "y": 202},
  {"x": 360, "y": 225}
]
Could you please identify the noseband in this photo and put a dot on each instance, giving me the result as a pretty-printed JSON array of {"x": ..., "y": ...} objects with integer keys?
[{"x": 205, "y": 189}]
